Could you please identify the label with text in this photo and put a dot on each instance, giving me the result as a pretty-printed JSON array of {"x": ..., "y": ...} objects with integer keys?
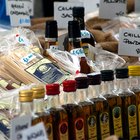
[{"x": 78, "y": 52}]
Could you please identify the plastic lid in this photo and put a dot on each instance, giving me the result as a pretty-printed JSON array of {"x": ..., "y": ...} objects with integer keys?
[
  {"x": 81, "y": 82},
  {"x": 122, "y": 73},
  {"x": 78, "y": 11},
  {"x": 53, "y": 89},
  {"x": 51, "y": 30},
  {"x": 134, "y": 70},
  {"x": 74, "y": 29},
  {"x": 94, "y": 79},
  {"x": 107, "y": 75},
  {"x": 69, "y": 86}
]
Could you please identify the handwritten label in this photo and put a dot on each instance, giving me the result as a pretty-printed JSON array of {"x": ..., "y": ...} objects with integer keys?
[
  {"x": 78, "y": 52},
  {"x": 129, "y": 42},
  {"x": 63, "y": 12},
  {"x": 36, "y": 132},
  {"x": 112, "y": 8},
  {"x": 17, "y": 125},
  {"x": 137, "y": 6}
]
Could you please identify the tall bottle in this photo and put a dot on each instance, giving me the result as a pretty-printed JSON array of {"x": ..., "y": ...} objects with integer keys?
[
  {"x": 86, "y": 37},
  {"x": 74, "y": 111},
  {"x": 75, "y": 45},
  {"x": 59, "y": 114},
  {"x": 129, "y": 104},
  {"x": 39, "y": 113},
  {"x": 134, "y": 73},
  {"x": 101, "y": 106},
  {"x": 88, "y": 107},
  {"x": 114, "y": 101}
]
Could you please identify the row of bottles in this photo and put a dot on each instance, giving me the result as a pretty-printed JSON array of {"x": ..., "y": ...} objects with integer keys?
[{"x": 92, "y": 108}]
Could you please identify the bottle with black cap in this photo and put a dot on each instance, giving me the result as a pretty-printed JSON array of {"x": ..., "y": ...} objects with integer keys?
[
  {"x": 86, "y": 37},
  {"x": 74, "y": 111},
  {"x": 114, "y": 101},
  {"x": 101, "y": 106},
  {"x": 74, "y": 46},
  {"x": 51, "y": 35},
  {"x": 129, "y": 104},
  {"x": 88, "y": 107}
]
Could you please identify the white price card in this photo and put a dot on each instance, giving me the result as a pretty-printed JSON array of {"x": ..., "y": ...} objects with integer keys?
[
  {"x": 63, "y": 12},
  {"x": 129, "y": 42},
  {"x": 36, "y": 132},
  {"x": 137, "y": 6},
  {"x": 18, "y": 124},
  {"x": 109, "y": 9}
]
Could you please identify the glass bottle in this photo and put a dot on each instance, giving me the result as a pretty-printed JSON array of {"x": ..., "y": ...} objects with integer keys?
[
  {"x": 39, "y": 113},
  {"x": 88, "y": 107},
  {"x": 134, "y": 78},
  {"x": 86, "y": 37},
  {"x": 114, "y": 101},
  {"x": 74, "y": 111},
  {"x": 59, "y": 114},
  {"x": 75, "y": 45},
  {"x": 129, "y": 104}
]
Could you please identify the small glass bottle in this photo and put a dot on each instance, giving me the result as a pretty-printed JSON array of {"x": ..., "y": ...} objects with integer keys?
[
  {"x": 88, "y": 107},
  {"x": 134, "y": 79},
  {"x": 39, "y": 113},
  {"x": 74, "y": 111},
  {"x": 59, "y": 114},
  {"x": 114, "y": 101},
  {"x": 129, "y": 104}
]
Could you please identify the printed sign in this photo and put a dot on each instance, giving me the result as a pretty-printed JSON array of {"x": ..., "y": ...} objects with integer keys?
[
  {"x": 129, "y": 42},
  {"x": 36, "y": 132},
  {"x": 137, "y": 5},
  {"x": 17, "y": 125},
  {"x": 63, "y": 12},
  {"x": 112, "y": 8}
]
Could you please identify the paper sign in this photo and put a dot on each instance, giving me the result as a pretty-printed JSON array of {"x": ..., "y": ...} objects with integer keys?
[
  {"x": 137, "y": 5},
  {"x": 63, "y": 12},
  {"x": 36, "y": 132},
  {"x": 129, "y": 42},
  {"x": 17, "y": 125},
  {"x": 112, "y": 8}
]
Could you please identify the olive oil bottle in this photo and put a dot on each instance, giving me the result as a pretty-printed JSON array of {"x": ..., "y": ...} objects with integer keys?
[
  {"x": 75, "y": 112},
  {"x": 101, "y": 106},
  {"x": 114, "y": 101},
  {"x": 129, "y": 104}
]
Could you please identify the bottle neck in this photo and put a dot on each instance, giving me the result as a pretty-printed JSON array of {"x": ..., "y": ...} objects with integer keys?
[
  {"x": 81, "y": 94},
  {"x": 75, "y": 43},
  {"x": 81, "y": 22},
  {"x": 25, "y": 108},
  {"x": 38, "y": 105},
  {"x": 107, "y": 87}
]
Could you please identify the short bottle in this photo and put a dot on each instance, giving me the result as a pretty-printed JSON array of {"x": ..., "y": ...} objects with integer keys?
[
  {"x": 39, "y": 113},
  {"x": 129, "y": 104},
  {"x": 59, "y": 114},
  {"x": 114, "y": 101},
  {"x": 74, "y": 111}
]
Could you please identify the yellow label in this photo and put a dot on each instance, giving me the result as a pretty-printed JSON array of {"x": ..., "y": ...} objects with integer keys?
[
  {"x": 104, "y": 125},
  {"x": 117, "y": 120},
  {"x": 139, "y": 117},
  {"x": 49, "y": 131},
  {"x": 63, "y": 131},
  {"x": 132, "y": 121},
  {"x": 79, "y": 129},
  {"x": 85, "y": 48},
  {"x": 92, "y": 128}
]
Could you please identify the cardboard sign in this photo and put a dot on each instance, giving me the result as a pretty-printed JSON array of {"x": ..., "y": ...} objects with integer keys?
[
  {"x": 129, "y": 42},
  {"x": 137, "y": 5},
  {"x": 36, "y": 132},
  {"x": 112, "y": 8},
  {"x": 17, "y": 125},
  {"x": 63, "y": 12}
]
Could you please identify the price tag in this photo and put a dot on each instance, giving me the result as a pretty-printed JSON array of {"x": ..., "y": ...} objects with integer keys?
[
  {"x": 137, "y": 6},
  {"x": 17, "y": 125},
  {"x": 25, "y": 60},
  {"x": 129, "y": 42},
  {"x": 85, "y": 34},
  {"x": 78, "y": 52},
  {"x": 112, "y": 8},
  {"x": 63, "y": 12},
  {"x": 36, "y": 132}
]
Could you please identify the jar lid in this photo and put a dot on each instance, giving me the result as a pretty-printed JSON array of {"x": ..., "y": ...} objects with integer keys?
[
  {"x": 122, "y": 73},
  {"x": 134, "y": 70},
  {"x": 53, "y": 89},
  {"x": 81, "y": 82},
  {"x": 94, "y": 79},
  {"x": 107, "y": 75},
  {"x": 69, "y": 86}
]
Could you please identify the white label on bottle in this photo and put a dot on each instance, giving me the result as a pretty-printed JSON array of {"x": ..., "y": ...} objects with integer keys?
[
  {"x": 85, "y": 34},
  {"x": 19, "y": 124},
  {"x": 78, "y": 52},
  {"x": 36, "y": 132},
  {"x": 25, "y": 60}
]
